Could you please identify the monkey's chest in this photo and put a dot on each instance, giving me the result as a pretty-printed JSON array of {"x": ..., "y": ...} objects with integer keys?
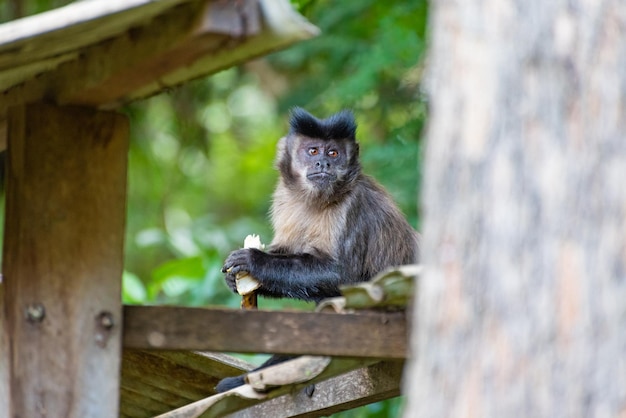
[{"x": 308, "y": 232}]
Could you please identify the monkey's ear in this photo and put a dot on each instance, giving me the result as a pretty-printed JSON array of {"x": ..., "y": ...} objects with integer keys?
[{"x": 281, "y": 148}]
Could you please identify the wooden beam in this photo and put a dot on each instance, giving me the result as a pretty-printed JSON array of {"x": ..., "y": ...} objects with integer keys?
[
  {"x": 269, "y": 383},
  {"x": 60, "y": 329},
  {"x": 370, "y": 335},
  {"x": 353, "y": 389}
]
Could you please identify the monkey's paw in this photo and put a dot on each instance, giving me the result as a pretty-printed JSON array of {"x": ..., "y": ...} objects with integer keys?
[
  {"x": 231, "y": 281},
  {"x": 238, "y": 261}
]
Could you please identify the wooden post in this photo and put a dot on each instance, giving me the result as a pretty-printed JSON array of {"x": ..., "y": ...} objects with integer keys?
[{"x": 60, "y": 334}]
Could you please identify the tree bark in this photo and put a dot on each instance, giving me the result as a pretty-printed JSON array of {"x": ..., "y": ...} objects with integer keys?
[{"x": 521, "y": 311}]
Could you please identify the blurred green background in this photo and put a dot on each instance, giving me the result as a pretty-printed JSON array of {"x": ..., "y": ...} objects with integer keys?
[{"x": 201, "y": 160}]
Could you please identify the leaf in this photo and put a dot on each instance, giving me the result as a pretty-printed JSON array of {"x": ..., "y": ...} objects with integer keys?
[
  {"x": 185, "y": 268},
  {"x": 133, "y": 290},
  {"x": 176, "y": 286}
]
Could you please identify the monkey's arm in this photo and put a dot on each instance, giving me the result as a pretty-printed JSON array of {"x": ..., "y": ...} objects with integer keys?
[{"x": 300, "y": 276}]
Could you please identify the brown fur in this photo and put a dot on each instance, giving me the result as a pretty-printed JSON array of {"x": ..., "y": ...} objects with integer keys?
[{"x": 302, "y": 228}]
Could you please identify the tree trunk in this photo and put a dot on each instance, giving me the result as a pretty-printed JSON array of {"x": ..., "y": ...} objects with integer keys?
[{"x": 522, "y": 309}]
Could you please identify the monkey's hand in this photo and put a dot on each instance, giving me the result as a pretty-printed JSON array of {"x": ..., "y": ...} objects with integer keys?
[{"x": 240, "y": 261}]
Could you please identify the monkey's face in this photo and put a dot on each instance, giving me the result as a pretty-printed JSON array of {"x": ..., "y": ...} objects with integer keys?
[{"x": 321, "y": 164}]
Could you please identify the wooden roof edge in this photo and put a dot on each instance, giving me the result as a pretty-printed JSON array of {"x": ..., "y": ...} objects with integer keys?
[
  {"x": 15, "y": 34},
  {"x": 169, "y": 40}
]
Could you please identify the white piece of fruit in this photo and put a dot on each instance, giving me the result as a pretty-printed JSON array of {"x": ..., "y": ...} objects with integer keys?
[
  {"x": 253, "y": 241},
  {"x": 245, "y": 283}
]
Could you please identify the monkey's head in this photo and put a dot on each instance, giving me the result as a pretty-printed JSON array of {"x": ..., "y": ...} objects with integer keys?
[{"x": 319, "y": 158}]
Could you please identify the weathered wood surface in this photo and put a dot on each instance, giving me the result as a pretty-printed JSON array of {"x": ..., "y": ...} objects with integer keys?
[
  {"x": 118, "y": 51},
  {"x": 276, "y": 381},
  {"x": 62, "y": 264},
  {"x": 521, "y": 310},
  {"x": 155, "y": 382},
  {"x": 390, "y": 288},
  {"x": 356, "y": 388},
  {"x": 36, "y": 38},
  {"x": 374, "y": 335}
]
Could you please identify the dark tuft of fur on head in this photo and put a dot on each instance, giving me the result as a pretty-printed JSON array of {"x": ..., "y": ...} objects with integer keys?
[{"x": 338, "y": 126}]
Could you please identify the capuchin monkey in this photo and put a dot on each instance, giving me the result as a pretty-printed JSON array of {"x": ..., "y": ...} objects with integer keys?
[{"x": 333, "y": 225}]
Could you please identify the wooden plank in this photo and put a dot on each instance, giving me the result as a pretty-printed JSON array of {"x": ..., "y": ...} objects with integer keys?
[
  {"x": 167, "y": 375},
  {"x": 63, "y": 255},
  {"x": 291, "y": 376},
  {"x": 71, "y": 27},
  {"x": 124, "y": 55},
  {"x": 373, "y": 335},
  {"x": 356, "y": 388},
  {"x": 213, "y": 364},
  {"x": 155, "y": 382}
]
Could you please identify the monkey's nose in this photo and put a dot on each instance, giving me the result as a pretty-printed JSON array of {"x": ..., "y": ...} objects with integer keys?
[{"x": 322, "y": 164}]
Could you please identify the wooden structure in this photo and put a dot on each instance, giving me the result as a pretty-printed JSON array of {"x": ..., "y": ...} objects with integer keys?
[
  {"x": 64, "y": 334},
  {"x": 344, "y": 326}
]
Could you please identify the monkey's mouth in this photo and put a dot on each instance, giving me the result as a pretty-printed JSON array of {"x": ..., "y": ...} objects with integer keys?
[
  {"x": 320, "y": 176},
  {"x": 321, "y": 179}
]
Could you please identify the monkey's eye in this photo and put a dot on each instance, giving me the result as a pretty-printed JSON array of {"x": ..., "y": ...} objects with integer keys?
[
  {"x": 313, "y": 151},
  {"x": 333, "y": 154}
]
